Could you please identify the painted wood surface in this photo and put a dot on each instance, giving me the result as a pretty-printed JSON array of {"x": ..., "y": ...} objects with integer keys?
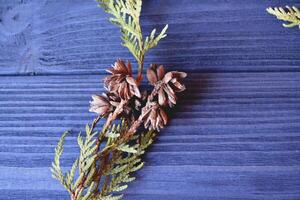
[{"x": 234, "y": 135}]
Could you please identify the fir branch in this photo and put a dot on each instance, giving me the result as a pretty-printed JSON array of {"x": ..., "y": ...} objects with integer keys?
[{"x": 291, "y": 15}]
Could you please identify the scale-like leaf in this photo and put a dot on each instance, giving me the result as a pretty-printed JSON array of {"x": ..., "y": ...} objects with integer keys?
[
  {"x": 127, "y": 148},
  {"x": 291, "y": 15}
]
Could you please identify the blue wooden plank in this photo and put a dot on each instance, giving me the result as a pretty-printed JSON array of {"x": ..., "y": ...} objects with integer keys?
[
  {"x": 234, "y": 135},
  {"x": 72, "y": 37}
]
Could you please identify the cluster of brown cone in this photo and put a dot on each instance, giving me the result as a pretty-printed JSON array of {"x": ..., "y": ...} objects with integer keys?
[{"x": 150, "y": 109}]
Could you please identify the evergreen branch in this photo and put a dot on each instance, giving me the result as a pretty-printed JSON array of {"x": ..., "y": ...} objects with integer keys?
[
  {"x": 71, "y": 174},
  {"x": 292, "y": 15},
  {"x": 88, "y": 148},
  {"x": 126, "y": 148},
  {"x": 55, "y": 168},
  {"x": 152, "y": 41},
  {"x": 109, "y": 157},
  {"x": 123, "y": 165},
  {"x": 126, "y": 15}
]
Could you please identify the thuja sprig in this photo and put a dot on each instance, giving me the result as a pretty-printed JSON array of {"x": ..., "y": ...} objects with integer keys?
[
  {"x": 126, "y": 15},
  {"x": 290, "y": 14},
  {"x": 111, "y": 153}
]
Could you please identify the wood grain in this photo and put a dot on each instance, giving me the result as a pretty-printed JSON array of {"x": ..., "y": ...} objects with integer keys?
[{"x": 234, "y": 135}]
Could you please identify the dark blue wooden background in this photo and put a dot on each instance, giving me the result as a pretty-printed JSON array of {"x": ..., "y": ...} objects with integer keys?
[{"x": 235, "y": 134}]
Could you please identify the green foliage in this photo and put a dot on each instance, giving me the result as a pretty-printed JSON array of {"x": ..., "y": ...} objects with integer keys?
[
  {"x": 126, "y": 161},
  {"x": 126, "y": 15},
  {"x": 65, "y": 179},
  {"x": 81, "y": 165},
  {"x": 151, "y": 41},
  {"x": 87, "y": 158},
  {"x": 126, "y": 148},
  {"x": 291, "y": 15},
  {"x": 71, "y": 174},
  {"x": 110, "y": 197},
  {"x": 87, "y": 149}
]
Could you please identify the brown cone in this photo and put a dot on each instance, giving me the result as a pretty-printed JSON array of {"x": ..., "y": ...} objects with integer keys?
[
  {"x": 100, "y": 105},
  {"x": 121, "y": 82},
  {"x": 167, "y": 84},
  {"x": 155, "y": 117}
]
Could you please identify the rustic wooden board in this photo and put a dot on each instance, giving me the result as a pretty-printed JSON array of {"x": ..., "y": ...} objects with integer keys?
[
  {"x": 63, "y": 37},
  {"x": 234, "y": 135}
]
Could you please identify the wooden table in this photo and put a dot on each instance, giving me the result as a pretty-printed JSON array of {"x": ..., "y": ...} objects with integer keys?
[{"x": 234, "y": 135}]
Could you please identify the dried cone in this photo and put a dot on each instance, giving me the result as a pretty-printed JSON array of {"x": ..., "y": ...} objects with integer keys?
[
  {"x": 100, "y": 105},
  {"x": 167, "y": 84},
  {"x": 154, "y": 117},
  {"x": 121, "y": 81},
  {"x": 115, "y": 101}
]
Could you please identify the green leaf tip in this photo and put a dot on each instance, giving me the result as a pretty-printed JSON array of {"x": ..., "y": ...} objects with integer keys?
[{"x": 288, "y": 14}]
